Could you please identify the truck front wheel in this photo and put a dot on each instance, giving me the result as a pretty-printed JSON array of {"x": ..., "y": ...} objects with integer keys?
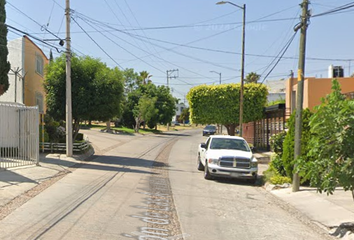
[
  {"x": 207, "y": 174},
  {"x": 200, "y": 165}
]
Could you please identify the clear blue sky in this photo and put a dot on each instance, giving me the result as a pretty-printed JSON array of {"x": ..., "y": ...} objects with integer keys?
[{"x": 161, "y": 35}]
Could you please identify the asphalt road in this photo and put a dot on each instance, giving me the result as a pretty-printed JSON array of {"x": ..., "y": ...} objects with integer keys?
[{"x": 147, "y": 187}]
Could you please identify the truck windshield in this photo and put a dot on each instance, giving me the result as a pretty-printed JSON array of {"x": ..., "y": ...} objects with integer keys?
[{"x": 229, "y": 144}]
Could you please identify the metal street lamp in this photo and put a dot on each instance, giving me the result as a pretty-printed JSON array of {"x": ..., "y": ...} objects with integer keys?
[
  {"x": 219, "y": 75},
  {"x": 243, "y": 57},
  {"x": 220, "y": 128}
]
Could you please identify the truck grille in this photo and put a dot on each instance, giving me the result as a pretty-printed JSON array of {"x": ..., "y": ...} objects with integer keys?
[{"x": 233, "y": 162}]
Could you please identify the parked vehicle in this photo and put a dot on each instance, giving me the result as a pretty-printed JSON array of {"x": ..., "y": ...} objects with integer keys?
[
  {"x": 227, "y": 156},
  {"x": 175, "y": 123},
  {"x": 209, "y": 130}
]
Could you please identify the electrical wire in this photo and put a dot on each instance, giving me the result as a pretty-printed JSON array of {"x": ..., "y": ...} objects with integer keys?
[
  {"x": 126, "y": 18},
  {"x": 281, "y": 54},
  {"x": 136, "y": 20},
  {"x": 120, "y": 47},
  {"x": 171, "y": 50},
  {"x": 335, "y": 10},
  {"x": 58, "y": 4},
  {"x": 145, "y": 51},
  {"x": 213, "y": 50},
  {"x": 42, "y": 27},
  {"x": 97, "y": 44},
  {"x": 25, "y": 33},
  {"x": 50, "y": 15}
]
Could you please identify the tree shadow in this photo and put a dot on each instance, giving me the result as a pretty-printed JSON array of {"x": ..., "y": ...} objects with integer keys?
[
  {"x": 173, "y": 134},
  {"x": 11, "y": 178},
  {"x": 107, "y": 163}
]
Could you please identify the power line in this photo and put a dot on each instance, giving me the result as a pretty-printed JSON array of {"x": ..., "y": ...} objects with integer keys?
[
  {"x": 136, "y": 20},
  {"x": 97, "y": 44},
  {"x": 236, "y": 53},
  {"x": 145, "y": 51},
  {"x": 124, "y": 48},
  {"x": 335, "y": 10},
  {"x": 209, "y": 49},
  {"x": 25, "y": 33},
  {"x": 43, "y": 28},
  {"x": 58, "y": 4},
  {"x": 182, "y": 54},
  {"x": 281, "y": 54}
]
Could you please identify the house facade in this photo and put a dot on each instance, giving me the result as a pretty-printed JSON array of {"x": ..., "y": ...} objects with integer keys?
[
  {"x": 179, "y": 109},
  {"x": 27, "y": 74},
  {"x": 314, "y": 90}
]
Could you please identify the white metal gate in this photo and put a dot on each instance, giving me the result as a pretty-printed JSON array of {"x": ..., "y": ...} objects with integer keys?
[{"x": 19, "y": 135}]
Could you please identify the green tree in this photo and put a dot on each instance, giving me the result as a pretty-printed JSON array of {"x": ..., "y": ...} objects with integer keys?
[
  {"x": 144, "y": 76},
  {"x": 252, "y": 77},
  {"x": 144, "y": 110},
  {"x": 51, "y": 58},
  {"x": 332, "y": 144},
  {"x": 220, "y": 104},
  {"x": 96, "y": 90},
  {"x": 132, "y": 99},
  {"x": 108, "y": 97},
  {"x": 131, "y": 80},
  {"x": 165, "y": 104},
  {"x": 184, "y": 115},
  {"x": 4, "y": 64}
]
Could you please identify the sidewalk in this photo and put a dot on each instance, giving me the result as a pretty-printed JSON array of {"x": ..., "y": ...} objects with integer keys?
[
  {"x": 332, "y": 213},
  {"x": 16, "y": 181}
]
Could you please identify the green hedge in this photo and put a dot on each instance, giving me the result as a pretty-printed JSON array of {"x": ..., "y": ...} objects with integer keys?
[{"x": 289, "y": 143}]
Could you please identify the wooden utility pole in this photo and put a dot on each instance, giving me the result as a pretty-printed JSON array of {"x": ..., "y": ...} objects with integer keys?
[
  {"x": 169, "y": 73},
  {"x": 69, "y": 119},
  {"x": 300, "y": 90},
  {"x": 242, "y": 67}
]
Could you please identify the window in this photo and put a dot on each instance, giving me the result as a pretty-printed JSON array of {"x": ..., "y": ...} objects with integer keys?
[
  {"x": 39, "y": 102},
  {"x": 229, "y": 144},
  {"x": 39, "y": 64}
]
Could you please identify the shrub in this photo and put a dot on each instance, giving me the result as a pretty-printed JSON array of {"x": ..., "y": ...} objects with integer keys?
[
  {"x": 276, "y": 143},
  {"x": 79, "y": 137},
  {"x": 277, "y": 164},
  {"x": 332, "y": 144},
  {"x": 272, "y": 175},
  {"x": 289, "y": 143},
  {"x": 279, "y": 180},
  {"x": 275, "y": 168}
]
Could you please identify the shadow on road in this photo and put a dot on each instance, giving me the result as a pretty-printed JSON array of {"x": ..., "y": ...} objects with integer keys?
[{"x": 107, "y": 163}]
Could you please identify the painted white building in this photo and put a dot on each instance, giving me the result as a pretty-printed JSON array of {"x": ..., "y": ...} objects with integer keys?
[
  {"x": 16, "y": 55},
  {"x": 276, "y": 90},
  {"x": 179, "y": 109}
]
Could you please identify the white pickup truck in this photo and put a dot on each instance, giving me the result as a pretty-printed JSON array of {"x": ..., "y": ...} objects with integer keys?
[{"x": 227, "y": 156}]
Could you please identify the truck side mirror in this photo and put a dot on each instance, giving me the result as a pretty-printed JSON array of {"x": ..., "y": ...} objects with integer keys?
[{"x": 203, "y": 145}]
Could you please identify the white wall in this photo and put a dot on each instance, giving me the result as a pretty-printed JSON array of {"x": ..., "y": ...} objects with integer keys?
[
  {"x": 16, "y": 59},
  {"x": 276, "y": 96}
]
